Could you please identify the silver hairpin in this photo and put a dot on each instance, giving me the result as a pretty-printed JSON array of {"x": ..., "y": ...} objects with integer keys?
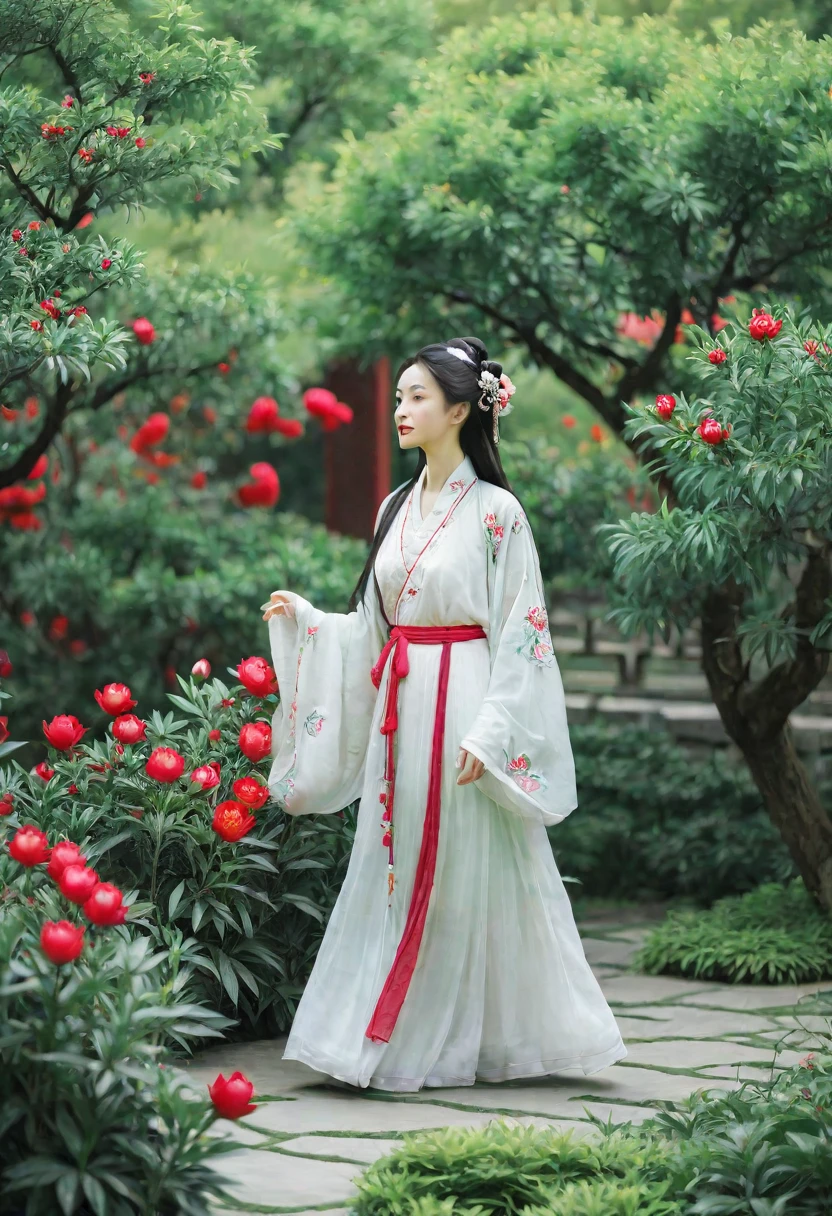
[{"x": 460, "y": 354}]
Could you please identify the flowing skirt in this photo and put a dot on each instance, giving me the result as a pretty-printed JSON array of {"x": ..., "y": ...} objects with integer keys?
[{"x": 501, "y": 987}]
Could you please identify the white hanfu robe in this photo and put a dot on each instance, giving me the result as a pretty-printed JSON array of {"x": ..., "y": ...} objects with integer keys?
[{"x": 501, "y": 986}]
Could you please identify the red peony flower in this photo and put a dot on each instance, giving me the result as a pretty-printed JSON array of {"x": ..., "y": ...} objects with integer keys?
[
  {"x": 41, "y": 464},
  {"x": 127, "y": 728},
  {"x": 105, "y": 905},
  {"x": 147, "y": 77},
  {"x": 52, "y": 309},
  {"x": 29, "y": 846},
  {"x": 665, "y": 405},
  {"x": 165, "y": 764},
  {"x": 255, "y": 740},
  {"x": 44, "y": 771},
  {"x": 78, "y": 882},
  {"x": 263, "y": 415},
  {"x": 264, "y": 491},
  {"x": 596, "y": 432},
  {"x": 232, "y": 820},
  {"x": 68, "y": 102},
  {"x": 115, "y": 699},
  {"x": 64, "y": 731},
  {"x": 152, "y": 431},
  {"x": 215, "y": 735},
  {"x": 291, "y": 428},
  {"x": 4, "y": 728},
  {"x": 711, "y": 431},
  {"x": 5, "y": 665},
  {"x": 206, "y": 775},
  {"x": 763, "y": 325},
  {"x": 140, "y": 142},
  {"x": 232, "y": 1098},
  {"x": 223, "y": 368},
  {"x": 37, "y": 326},
  {"x": 58, "y": 627},
  {"x": 144, "y": 331},
  {"x": 86, "y": 155},
  {"x": 257, "y": 676},
  {"x": 717, "y": 356},
  {"x": 6, "y": 804},
  {"x": 64, "y": 853},
  {"x": 61, "y": 941},
  {"x": 209, "y": 414},
  {"x": 17, "y": 235},
  {"x": 568, "y": 421},
  {"x": 250, "y": 792},
  {"x": 199, "y": 480},
  {"x": 201, "y": 668}
]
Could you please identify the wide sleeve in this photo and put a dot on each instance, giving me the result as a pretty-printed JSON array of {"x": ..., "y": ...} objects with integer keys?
[
  {"x": 520, "y": 734},
  {"x": 321, "y": 726}
]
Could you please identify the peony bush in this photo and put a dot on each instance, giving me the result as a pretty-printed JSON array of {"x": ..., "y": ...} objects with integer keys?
[
  {"x": 93, "y": 1117},
  {"x": 167, "y": 823}
]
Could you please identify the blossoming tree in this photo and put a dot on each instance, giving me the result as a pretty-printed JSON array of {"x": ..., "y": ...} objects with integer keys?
[
  {"x": 99, "y": 115},
  {"x": 747, "y": 547}
]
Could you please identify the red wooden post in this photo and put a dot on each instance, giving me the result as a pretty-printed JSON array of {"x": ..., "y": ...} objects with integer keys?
[{"x": 357, "y": 455}]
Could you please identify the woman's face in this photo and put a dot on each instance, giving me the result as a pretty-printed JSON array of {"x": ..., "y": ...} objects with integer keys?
[{"x": 422, "y": 417}]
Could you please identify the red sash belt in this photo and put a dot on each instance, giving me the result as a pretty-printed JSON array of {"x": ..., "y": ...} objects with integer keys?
[{"x": 395, "y": 988}]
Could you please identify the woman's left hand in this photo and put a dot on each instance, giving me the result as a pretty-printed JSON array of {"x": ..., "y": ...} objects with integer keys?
[{"x": 472, "y": 768}]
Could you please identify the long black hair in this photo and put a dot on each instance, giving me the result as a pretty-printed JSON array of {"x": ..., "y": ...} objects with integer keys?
[{"x": 458, "y": 380}]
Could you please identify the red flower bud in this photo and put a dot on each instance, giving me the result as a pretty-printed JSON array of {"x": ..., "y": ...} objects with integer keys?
[
  {"x": 61, "y": 941},
  {"x": 232, "y": 1098},
  {"x": 263, "y": 415},
  {"x": 44, "y": 771},
  {"x": 763, "y": 325},
  {"x": 206, "y": 775},
  {"x": 165, "y": 764},
  {"x": 717, "y": 356},
  {"x": 201, "y": 668},
  {"x": 64, "y": 731},
  {"x": 127, "y": 728},
  {"x": 6, "y": 804},
  {"x": 255, "y": 741},
  {"x": 232, "y": 820},
  {"x": 711, "y": 431},
  {"x": 215, "y": 735},
  {"x": 665, "y": 405},
  {"x": 144, "y": 331},
  {"x": 114, "y": 698},
  {"x": 64, "y": 853},
  {"x": 78, "y": 882},
  {"x": 29, "y": 846},
  {"x": 105, "y": 906},
  {"x": 106, "y": 263},
  {"x": 257, "y": 676}
]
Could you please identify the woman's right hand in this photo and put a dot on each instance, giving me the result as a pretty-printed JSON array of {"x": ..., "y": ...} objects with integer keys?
[{"x": 281, "y": 603}]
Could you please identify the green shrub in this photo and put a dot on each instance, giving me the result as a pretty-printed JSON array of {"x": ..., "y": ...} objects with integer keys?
[
  {"x": 761, "y": 1150},
  {"x": 500, "y": 1169},
  {"x": 91, "y": 1120},
  {"x": 774, "y": 935},
  {"x": 654, "y": 821}
]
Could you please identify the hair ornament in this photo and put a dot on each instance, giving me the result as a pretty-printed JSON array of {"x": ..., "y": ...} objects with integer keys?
[
  {"x": 497, "y": 392},
  {"x": 460, "y": 354}
]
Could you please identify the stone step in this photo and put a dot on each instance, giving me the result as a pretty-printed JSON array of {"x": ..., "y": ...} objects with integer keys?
[{"x": 696, "y": 721}]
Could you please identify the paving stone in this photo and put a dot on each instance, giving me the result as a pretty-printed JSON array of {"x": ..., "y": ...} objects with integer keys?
[
  {"x": 258, "y": 1176},
  {"x": 691, "y": 1053},
  {"x": 340, "y": 1146},
  {"x": 691, "y": 1021},
  {"x": 759, "y": 996},
  {"x": 642, "y": 989},
  {"x": 602, "y": 950}
]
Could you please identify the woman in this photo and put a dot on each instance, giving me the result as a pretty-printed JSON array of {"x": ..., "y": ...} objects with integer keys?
[{"x": 451, "y": 954}]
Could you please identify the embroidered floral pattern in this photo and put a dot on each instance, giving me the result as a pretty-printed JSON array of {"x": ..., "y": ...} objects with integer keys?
[
  {"x": 520, "y": 770},
  {"x": 284, "y": 788},
  {"x": 493, "y": 534},
  {"x": 517, "y": 525},
  {"x": 313, "y": 723},
  {"x": 536, "y": 645},
  {"x": 459, "y": 484}
]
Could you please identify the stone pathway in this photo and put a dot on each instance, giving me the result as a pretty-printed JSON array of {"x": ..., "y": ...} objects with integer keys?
[{"x": 307, "y": 1140}]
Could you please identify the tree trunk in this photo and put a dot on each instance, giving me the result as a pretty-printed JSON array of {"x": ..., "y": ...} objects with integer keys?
[
  {"x": 756, "y": 718},
  {"x": 795, "y": 810}
]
